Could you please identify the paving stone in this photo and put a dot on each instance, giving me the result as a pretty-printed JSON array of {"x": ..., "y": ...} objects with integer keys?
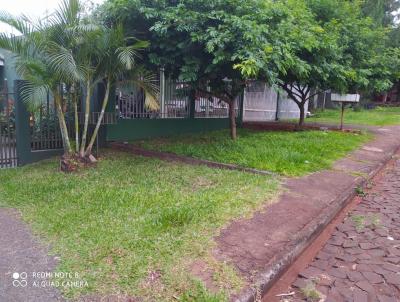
[
  {"x": 355, "y": 276},
  {"x": 310, "y": 272},
  {"x": 337, "y": 272},
  {"x": 394, "y": 260},
  {"x": 338, "y": 241},
  {"x": 350, "y": 243},
  {"x": 380, "y": 270},
  {"x": 393, "y": 278},
  {"x": 360, "y": 296},
  {"x": 354, "y": 251},
  {"x": 324, "y": 256},
  {"x": 391, "y": 267},
  {"x": 385, "y": 289},
  {"x": 364, "y": 266},
  {"x": 363, "y": 256},
  {"x": 393, "y": 251},
  {"x": 300, "y": 283},
  {"x": 346, "y": 258},
  {"x": 326, "y": 280},
  {"x": 367, "y": 246},
  {"x": 321, "y": 264},
  {"x": 334, "y": 296},
  {"x": 366, "y": 286},
  {"x": 374, "y": 278},
  {"x": 376, "y": 253},
  {"x": 331, "y": 249},
  {"x": 382, "y": 298}
]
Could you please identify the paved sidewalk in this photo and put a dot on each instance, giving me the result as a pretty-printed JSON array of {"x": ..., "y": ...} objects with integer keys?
[
  {"x": 20, "y": 257},
  {"x": 361, "y": 261}
]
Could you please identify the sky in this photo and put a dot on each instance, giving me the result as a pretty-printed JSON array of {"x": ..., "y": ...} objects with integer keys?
[{"x": 32, "y": 8}]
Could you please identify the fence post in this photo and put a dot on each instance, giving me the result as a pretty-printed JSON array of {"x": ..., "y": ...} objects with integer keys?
[
  {"x": 162, "y": 92},
  {"x": 22, "y": 128}
]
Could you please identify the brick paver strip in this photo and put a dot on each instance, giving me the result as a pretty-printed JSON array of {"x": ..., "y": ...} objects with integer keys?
[{"x": 376, "y": 275}]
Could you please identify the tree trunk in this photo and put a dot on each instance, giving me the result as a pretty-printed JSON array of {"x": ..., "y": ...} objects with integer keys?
[
  {"x": 384, "y": 97},
  {"x": 100, "y": 119},
  {"x": 302, "y": 114},
  {"x": 86, "y": 123},
  {"x": 232, "y": 119},
  {"x": 63, "y": 125}
]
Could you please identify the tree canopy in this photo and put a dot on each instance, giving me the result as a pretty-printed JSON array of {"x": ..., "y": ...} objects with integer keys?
[
  {"x": 215, "y": 46},
  {"x": 302, "y": 45}
]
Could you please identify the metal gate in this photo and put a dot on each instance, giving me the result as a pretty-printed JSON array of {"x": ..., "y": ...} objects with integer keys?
[{"x": 8, "y": 142}]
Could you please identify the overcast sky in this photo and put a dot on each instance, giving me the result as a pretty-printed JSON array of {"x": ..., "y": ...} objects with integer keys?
[{"x": 33, "y": 8}]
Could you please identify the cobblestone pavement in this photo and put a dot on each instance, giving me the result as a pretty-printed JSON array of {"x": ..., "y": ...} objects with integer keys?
[{"x": 361, "y": 260}]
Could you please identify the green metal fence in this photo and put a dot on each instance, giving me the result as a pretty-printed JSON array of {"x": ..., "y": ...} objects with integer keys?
[
  {"x": 37, "y": 133},
  {"x": 8, "y": 145}
]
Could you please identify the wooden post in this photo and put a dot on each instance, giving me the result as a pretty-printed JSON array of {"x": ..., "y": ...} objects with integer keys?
[{"x": 342, "y": 115}]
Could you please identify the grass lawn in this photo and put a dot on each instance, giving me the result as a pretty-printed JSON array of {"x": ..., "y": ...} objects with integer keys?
[
  {"x": 288, "y": 153},
  {"x": 381, "y": 116},
  {"x": 134, "y": 225}
]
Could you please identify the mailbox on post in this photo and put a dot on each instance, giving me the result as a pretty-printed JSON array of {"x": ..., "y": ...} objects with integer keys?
[{"x": 344, "y": 99}]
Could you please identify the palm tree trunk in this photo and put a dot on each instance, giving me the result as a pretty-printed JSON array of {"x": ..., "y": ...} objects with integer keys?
[
  {"x": 76, "y": 125},
  {"x": 63, "y": 125},
  {"x": 86, "y": 124},
  {"x": 100, "y": 119}
]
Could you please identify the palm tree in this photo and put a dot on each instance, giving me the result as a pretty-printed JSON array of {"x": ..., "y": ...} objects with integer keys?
[
  {"x": 71, "y": 50},
  {"x": 116, "y": 57},
  {"x": 36, "y": 56}
]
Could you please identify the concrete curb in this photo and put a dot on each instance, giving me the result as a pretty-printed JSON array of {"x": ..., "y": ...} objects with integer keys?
[
  {"x": 266, "y": 279},
  {"x": 185, "y": 159}
]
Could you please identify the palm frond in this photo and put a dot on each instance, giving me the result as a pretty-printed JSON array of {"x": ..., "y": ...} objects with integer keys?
[
  {"x": 34, "y": 95},
  {"x": 20, "y": 24},
  {"x": 63, "y": 63},
  {"x": 147, "y": 81}
]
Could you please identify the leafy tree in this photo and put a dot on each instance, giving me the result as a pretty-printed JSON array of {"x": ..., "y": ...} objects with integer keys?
[
  {"x": 306, "y": 53},
  {"x": 329, "y": 45},
  {"x": 383, "y": 12},
  {"x": 215, "y": 46},
  {"x": 372, "y": 65}
]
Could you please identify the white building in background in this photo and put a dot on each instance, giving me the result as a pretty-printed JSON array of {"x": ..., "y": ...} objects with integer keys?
[{"x": 263, "y": 103}]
